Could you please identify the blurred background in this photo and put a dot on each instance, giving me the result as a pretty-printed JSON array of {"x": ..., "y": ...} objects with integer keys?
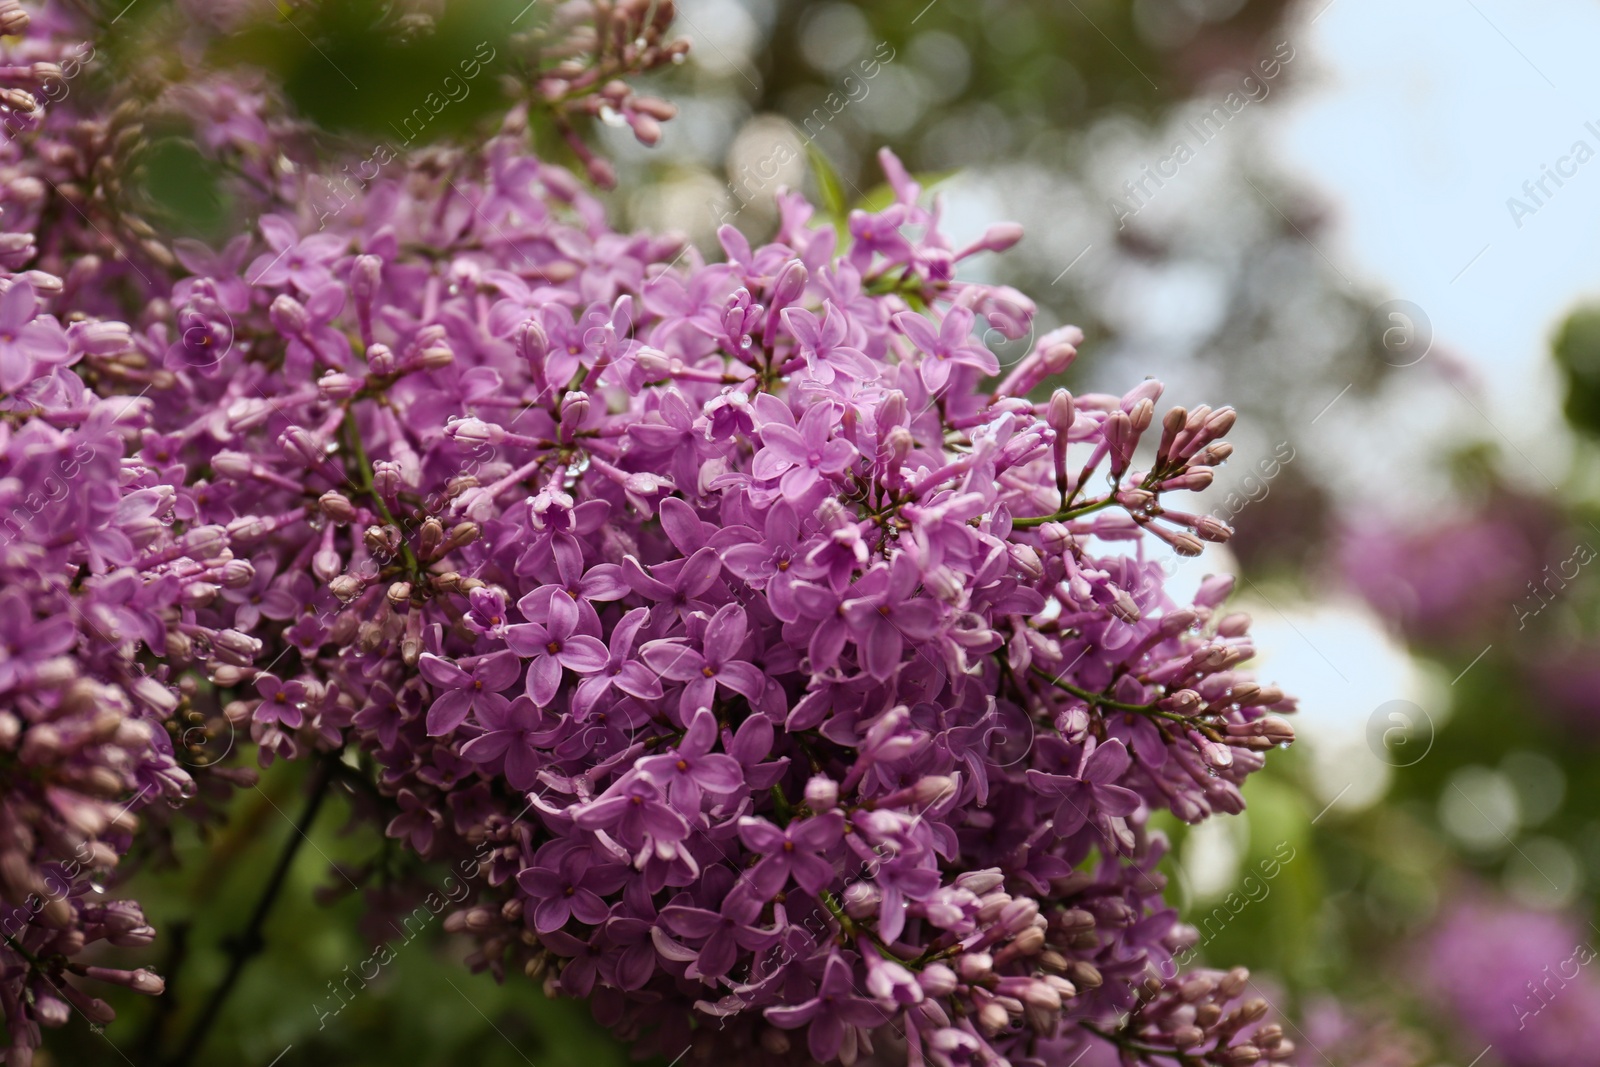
[{"x": 1369, "y": 227}]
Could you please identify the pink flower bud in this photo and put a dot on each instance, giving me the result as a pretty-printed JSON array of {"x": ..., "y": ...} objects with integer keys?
[{"x": 289, "y": 316}]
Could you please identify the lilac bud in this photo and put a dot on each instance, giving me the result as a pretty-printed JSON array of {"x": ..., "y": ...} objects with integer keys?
[
  {"x": 1121, "y": 439},
  {"x": 205, "y": 542},
  {"x": 97, "y": 338},
  {"x": 337, "y": 507},
  {"x": 1184, "y": 544},
  {"x": 247, "y": 414},
  {"x": 436, "y": 356},
  {"x": 645, "y": 128},
  {"x": 656, "y": 364},
  {"x": 981, "y": 882},
  {"x": 999, "y": 237},
  {"x": 366, "y": 274},
  {"x": 18, "y": 100},
  {"x": 1196, "y": 479},
  {"x": 1234, "y": 624},
  {"x": 382, "y": 541},
  {"x": 235, "y": 648},
  {"x": 899, "y": 444},
  {"x": 791, "y": 284},
  {"x": 891, "y": 411},
  {"x": 52, "y": 1012},
  {"x": 237, "y": 573},
  {"x": 932, "y": 790},
  {"x": 533, "y": 343},
  {"x": 336, "y": 385},
  {"x": 822, "y": 793},
  {"x": 326, "y": 563},
  {"x": 380, "y": 360},
  {"x": 974, "y": 966},
  {"x": 861, "y": 900},
  {"x": 235, "y": 466},
  {"x": 347, "y": 587},
  {"x": 13, "y": 21},
  {"x": 93, "y": 1009},
  {"x": 574, "y": 410},
  {"x": 993, "y": 1018},
  {"x": 1060, "y": 413},
  {"x": 199, "y": 594},
  {"x": 471, "y": 431},
  {"x": 430, "y": 537},
  {"x": 1148, "y": 390},
  {"x": 289, "y": 316},
  {"x": 386, "y": 478},
  {"x": 301, "y": 446},
  {"x": 937, "y": 980},
  {"x": 140, "y": 981}
]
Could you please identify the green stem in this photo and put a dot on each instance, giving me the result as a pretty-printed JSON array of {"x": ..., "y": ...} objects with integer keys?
[
  {"x": 1104, "y": 701},
  {"x": 1064, "y": 515},
  {"x": 33, "y": 961},
  {"x": 850, "y": 926}
]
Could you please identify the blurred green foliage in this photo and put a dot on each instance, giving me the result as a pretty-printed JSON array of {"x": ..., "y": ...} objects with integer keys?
[
  {"x": 180, "y": 187},
  {"x": 343, "y": 66},
  {"x": 1577, "y": 351}
]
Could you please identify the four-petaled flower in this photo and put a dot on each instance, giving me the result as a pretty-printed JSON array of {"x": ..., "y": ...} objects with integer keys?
[
  {"x": 884, "y": 615},
  {"x": 633, "y": 809},
  {"x": 281, "y": 703},
  {"x": 804, "y": 455},
  {"x": 305, "y": 262},
  {"x": 715, "y": 666},
  {"x": 796, "y": 851},
  {"x": 723, "y": 932},
  {"x": 622, "y": 672},
  {"x": 1092, "y": 793},
  {"x": 691, "y": 766},
  {"x": 571, "y": 889},
  {"x": 26, "y": 337},
  {"x": 461, "y": 693},
  {"x": 951, "y": 344},
  {"x": 836, "y": 1007},
  {"x": 513, "y": 731},
  {"x": 553, "y": 644}
]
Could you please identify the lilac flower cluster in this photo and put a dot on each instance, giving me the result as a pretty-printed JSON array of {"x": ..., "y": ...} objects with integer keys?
[
  {"x": 1522, "y": 981},
  {"x": 771, "y": 653},
  {"x": 803, "y": 685},
  {"x": 1417, "y": 578},
  {"x": 106, "y": 670}
]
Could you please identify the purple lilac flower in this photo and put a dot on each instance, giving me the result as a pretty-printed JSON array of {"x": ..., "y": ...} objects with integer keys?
[
  {"x": 27, "y": 338},
  {"x": 553, "y": 644},
  {"x": 462, "y": 693}
]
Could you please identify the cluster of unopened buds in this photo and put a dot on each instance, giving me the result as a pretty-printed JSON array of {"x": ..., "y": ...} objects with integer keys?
[
  {"x": 1203, "y": 1017},
  {"x": 777, "y": 685},
  {"x": 595, "y": 44}
]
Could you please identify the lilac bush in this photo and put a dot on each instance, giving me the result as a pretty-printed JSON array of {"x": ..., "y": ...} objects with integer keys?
[
  {"x": 1518, "y": 979},
  {"x": 793, "y": 681}
]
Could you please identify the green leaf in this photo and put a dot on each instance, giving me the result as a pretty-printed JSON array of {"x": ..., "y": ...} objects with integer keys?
[{"x": 829, "y": 187}]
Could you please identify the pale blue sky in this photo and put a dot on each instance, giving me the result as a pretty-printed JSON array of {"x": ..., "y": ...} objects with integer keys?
[{"x": 1419, "y": 120}]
